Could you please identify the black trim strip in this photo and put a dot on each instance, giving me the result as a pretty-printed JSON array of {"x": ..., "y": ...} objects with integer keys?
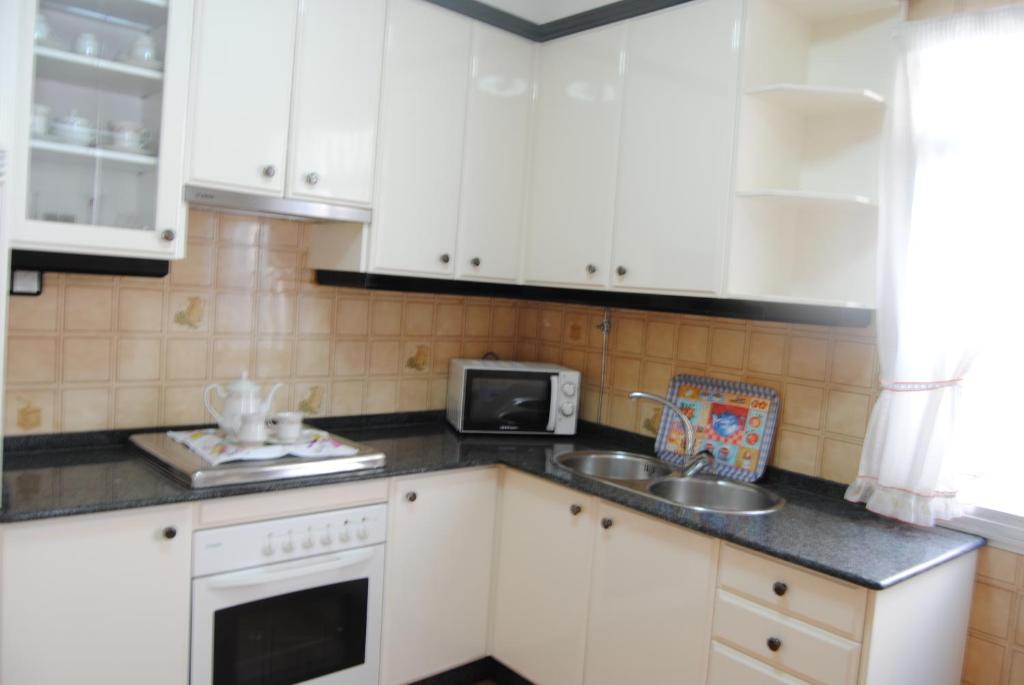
[
  {"x": 703, "y": 306},
  {"x": 559, "y": 28},
  {"x": 30, "y": 260}
]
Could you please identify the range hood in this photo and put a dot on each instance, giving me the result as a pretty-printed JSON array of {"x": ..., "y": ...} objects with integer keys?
[{"x": 214, "y": 198}]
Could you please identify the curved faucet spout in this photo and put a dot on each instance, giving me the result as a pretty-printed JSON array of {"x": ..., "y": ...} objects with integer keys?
[{"x": 687, "y": 426}]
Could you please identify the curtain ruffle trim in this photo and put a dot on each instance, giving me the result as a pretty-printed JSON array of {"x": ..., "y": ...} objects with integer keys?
[{"x": 905, "y": 506}]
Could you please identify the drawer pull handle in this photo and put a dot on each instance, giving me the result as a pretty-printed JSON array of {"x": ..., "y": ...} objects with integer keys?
[
  {"x": 607, "y": 523},
  {"x": 575, "y": 509},
  {"x": 780, "y": 588},
  {"x": 410, "y": 496},
  {"x": 774, "y": 644},
  {"x": 170, "y": 532}
]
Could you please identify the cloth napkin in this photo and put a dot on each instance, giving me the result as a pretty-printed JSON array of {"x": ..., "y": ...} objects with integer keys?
[{"x": 212, "y": 445}]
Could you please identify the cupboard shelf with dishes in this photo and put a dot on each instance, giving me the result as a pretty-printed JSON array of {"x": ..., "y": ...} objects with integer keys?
[
  {"x": 143, "y": 12},
  {"x": 57, "y": 151},
  {"x": 103, "y": 74}
]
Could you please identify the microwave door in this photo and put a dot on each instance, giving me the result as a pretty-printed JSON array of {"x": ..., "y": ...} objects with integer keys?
[{"x": 509, "y": 402}]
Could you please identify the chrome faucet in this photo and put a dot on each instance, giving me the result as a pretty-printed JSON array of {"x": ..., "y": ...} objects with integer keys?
[{"x": 692, "y": 463}]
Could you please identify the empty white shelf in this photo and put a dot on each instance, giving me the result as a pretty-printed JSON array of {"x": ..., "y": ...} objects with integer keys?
[
  {"x": 102, "y": 74},
  {"x": 814, "y": 100},
  {"x": 809, "y": 197},
  {"x": 51, "y": 150}
]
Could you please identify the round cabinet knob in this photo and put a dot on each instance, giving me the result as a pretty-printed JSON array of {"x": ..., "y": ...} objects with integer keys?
[
  {"x": 411, "y": 496},
  {"x": 312, "y": 178},
  {"x": 567, "y": 409},
  {"x": 475, "y": 261},
  {"x": 591, "y": 269},
  {"x": 170, "y": 532},
  {"x": 269, "y": 171},
  {"x": 607, "y": 523},
  {"x": 621, "y": 271},
  {"x": 780, "y": 588},
  {"x": 167, "y": 235},
  {"x": 774, "y": 644},
  {"x": 445, "y": 258},
  {"x": 569, "y": 389},
  {"x": 575, "y": 509}
]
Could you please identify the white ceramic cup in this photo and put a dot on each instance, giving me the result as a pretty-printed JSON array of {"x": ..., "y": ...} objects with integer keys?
[
  {"x": 252, "y": 428},
  {"x": 74, "y": 129},
  {"x": 143, "y": 49},
  {"x": 287, "y": 425},
  {"x": 128, "y": 135},
  {"x": 41, "y": 31},
  {"x": 87, "y": 44},
  {"x": 40, "y": 120}
]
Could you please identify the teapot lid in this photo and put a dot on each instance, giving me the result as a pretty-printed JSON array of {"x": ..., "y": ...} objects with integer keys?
[{"x": 243, "y": 384}]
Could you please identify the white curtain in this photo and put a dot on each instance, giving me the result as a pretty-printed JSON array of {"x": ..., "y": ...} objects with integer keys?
[{"x": 950, "y": 254}]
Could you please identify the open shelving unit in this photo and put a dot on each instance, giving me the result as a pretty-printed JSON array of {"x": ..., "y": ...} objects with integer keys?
[{"x": 816, "y": 81}]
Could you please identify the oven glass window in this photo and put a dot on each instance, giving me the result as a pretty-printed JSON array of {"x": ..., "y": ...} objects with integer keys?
[
  {"x": 502, "y": 401},
  {"x": 291, "y": 638}
]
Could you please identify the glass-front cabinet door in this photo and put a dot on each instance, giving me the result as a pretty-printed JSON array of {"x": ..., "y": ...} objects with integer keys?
[{"x": 102, "y": 88}]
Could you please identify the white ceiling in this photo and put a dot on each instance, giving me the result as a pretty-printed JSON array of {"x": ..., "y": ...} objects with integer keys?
[{"x": 543, "y": 11}]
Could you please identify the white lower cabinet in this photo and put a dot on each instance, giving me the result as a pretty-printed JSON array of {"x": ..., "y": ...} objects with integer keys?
[
  {"x": 438, "y": 574},
  {"x": 650, "y": 601},
  {"x": 100, "y": 599},
  {"x": 546, "y": 540},
  {"x": 729, "y": 667}
]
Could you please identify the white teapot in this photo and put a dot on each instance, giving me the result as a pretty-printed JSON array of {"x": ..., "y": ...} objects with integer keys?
[{"x": 241, "y": 397}]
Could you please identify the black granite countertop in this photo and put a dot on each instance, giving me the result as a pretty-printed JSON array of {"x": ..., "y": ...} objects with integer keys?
[{"x": 58, "y": 475}]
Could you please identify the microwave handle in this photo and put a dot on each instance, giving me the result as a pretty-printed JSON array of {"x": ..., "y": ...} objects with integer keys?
[
  {"x": 553, "y": 408},
  {"x": 262, "y": 576}
]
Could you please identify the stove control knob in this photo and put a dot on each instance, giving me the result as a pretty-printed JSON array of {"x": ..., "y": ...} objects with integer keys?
[
  {"x": 569, "y": 389},
  {"x": 326, "y": 539},
  {"x": 343, "y": 536},
  {"x": 567, "y": 409},
  {"x": 268, "y": 547},
  {"x": 362, "y": 533},
  {"x": 307, "y": 542},
  {"x": 287, "y": 547}
]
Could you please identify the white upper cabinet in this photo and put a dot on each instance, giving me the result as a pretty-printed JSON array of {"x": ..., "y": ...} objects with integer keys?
[
  {"x": 676, "y": 153},
  {"x": 423, "y": 118},
  {"x": 335, "y": 99},
  {"x": 98, "y": 138},
  {"x": 240, "y": 93},
  {"x": 496, "y": 156},
  {"x": 575, "y": 151}
]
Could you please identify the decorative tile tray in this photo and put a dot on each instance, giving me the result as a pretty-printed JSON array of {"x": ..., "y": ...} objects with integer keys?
[{"x": 734, "y": 421}]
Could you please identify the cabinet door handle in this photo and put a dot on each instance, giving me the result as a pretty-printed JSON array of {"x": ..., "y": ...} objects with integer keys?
[
  {"x": 591, "y": 269},
  {"x": 312, "y": 178},
  {"x": 269, "y": 171},
  {"x": 575, "y": 509},
  {"x": 475, "y": 261},
  {"x": 607, "y": 523},
  {"x": 774, "y": 644},
  {"x": 411, "y": 496},
  {"x": 170, "y": 532},
  {"x": 621, "y": 271},
  {"x": 445, "y": 258},
  {"x": 167, "y": 235},
  {"x": 780, "y": 588}
]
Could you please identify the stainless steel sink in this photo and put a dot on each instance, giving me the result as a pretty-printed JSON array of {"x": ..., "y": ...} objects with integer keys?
[
  {"x": 614, "y": 466},
  {"x": 712, "y": 494}
]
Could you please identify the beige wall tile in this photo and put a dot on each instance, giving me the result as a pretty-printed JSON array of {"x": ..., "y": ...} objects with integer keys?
[
  {"x": 693, "y": 344},
  {"x": 186, "y": 359},
  {"x": 413, "y": 394},
  {"x": 575, "y": 332},
  {"x": 313, "y": 357},
  {"x": 239, "y": 230},
  {"x": 449, "y": 320},
  {"x": 418, "y": 318},
  {"x": 347, "y": 398},
  {"x": 840, "y": 461},
  {"x": 29, "y": 411},
  {"x": 660, "y": 339},
  {"x": 31, "y": 360},
  {"x": 353, "y": 316},
  {"x": 628, "y": 335},
  {"x": 233, "y": 313},
  {"x": 315, "y": 315},
  {"x": 189, "y": 312},
  {"x": 35, "y": 313},
  {"x": 574, "y": 359},
  {"x": 808, "y": 358},
  {"x": 387, "y": 317},
  {"x": 847, "y": 413},
  {"x": 983, "y": 662},
  {"x": 279, "y": 270},
  {"x": 728, "y": 347},
  {"x": 990, "y": 610},
  {"x": 478, "y": 321},
  {"x": 625, "y": 373},
  {"x": 280, "y": 233},
  {"x": 87, "y": 308},
  {"x": 384, "y": 357},
  {"x": 273, "y": 358},
  {"x": 853, "y": 363},
  {"x": 796, "y": 451},
  {"x": 136, "y": 407},
  {"x": 138, "y": 359},
  {"x": 140, "y": 310},
  {"x": 86, "y": 359},
  {"x": 998, "y": 564},
  {"x": 276, "y": 314},
  {"x": 231, "y": 357},
  {"x": 438, "y": 393},
  {"x": 503, "y": 322},
  {"x": 85, "y": 409},
  {"x": 236, "y": 266},
  {"x": 802, "y": 405},
  {"x": 527, "y": 325},
  {"x": 550, "y": 324},
  {"x": 655, "y": 377},
  {"x": 1016, "y": 669},
  {"x": 202, "y": 225},
  {"x": 196, "y": 269},
  {"x": 416, "y": 358},
  {"x": 766, "y": 353},
  {"x": 650, "y": 419},
  {"x": 183, "y": 405},
  {"x": 381, "y": 396},
  {"x": 621, "y": 412},
  {"x": 350, "y": 358}
]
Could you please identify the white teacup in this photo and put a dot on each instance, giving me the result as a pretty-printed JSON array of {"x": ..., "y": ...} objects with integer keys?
[
  {"x": 287, "y": 425},
  {"x": 87, "y": 44},
  {"x": 143, "y": 49},
  {"x": 40, "y": 120},
  {"x": 74, "y": 129},
  {"x": 128, "y": 135},
  {"x": 252, "y": 428}
]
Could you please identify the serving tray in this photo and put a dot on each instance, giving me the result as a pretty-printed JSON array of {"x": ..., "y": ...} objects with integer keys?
[{"x": 734, "y": 421}]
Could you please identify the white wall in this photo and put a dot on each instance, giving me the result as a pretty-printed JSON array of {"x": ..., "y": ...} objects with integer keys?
[{"x": 543, "y": 11}]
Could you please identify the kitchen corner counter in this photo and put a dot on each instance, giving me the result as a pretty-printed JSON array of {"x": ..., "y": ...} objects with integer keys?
[{"x": 52, "y": 476}]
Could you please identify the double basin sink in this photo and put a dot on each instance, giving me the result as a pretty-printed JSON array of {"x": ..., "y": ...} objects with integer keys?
[{"x": 659, "y": 480}]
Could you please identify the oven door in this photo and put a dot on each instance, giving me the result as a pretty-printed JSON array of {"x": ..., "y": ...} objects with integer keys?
[
  {"x": 314, "y": 620},
  {"x": 509, "y": 401}
]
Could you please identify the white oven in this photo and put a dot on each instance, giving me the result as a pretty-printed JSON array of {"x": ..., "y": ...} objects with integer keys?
[{"x": 295, "y": 600}]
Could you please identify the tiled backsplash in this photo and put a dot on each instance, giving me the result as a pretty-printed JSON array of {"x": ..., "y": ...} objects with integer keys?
[{"x": 995, "y": 644}]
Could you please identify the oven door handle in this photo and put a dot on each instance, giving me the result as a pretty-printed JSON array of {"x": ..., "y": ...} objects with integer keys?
[
  {"x": 265, "y": 575},
  {"x": 553, "y": 409}
]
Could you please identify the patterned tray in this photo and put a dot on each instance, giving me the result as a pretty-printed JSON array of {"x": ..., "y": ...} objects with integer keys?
[{"x": 734, "y": 421}]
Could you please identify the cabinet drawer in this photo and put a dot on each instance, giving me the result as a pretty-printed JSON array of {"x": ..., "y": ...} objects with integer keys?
[
  {"x": 729, "y": 667},
  {"x": 231, "y": 510},
  {"x": 804, "y": 650},
  {"x": 831, "y": 604}
]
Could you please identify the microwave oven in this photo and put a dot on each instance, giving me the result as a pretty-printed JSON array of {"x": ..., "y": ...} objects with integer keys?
[{"x": 487, "y": 396}]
